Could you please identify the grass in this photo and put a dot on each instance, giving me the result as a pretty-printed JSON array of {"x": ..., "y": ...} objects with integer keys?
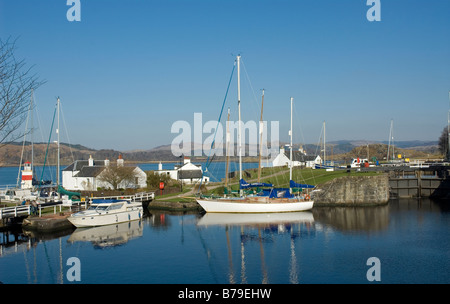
[{"x": 279, "y": 177}]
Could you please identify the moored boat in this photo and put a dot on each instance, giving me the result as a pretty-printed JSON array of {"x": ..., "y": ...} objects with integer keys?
[
  {"x": 274, "y": 200},
  {"x": 107, "y": 212}
]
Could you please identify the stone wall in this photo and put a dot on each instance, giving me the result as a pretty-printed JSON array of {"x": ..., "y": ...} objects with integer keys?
[{"x": 353, "y": 191}]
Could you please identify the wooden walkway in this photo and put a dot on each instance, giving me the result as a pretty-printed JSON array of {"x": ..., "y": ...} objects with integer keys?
[{"x": 25, "y": 210}]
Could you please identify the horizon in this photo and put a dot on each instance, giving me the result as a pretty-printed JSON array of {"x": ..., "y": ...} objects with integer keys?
[
  {"x": 333, "y": 142},
  {"x": 128, "y": 70}
]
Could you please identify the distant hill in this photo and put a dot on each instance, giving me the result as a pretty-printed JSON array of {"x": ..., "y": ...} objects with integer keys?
[{"x": 10, "y": 154}]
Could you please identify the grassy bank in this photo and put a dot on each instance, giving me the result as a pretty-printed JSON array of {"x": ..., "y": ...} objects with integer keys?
[{"x": 278, "y": 176}]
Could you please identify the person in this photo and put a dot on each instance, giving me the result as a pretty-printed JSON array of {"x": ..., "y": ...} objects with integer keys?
[{"x": 34, "y": 207}]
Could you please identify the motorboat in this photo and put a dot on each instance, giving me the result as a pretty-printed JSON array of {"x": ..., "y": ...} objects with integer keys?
[{"x": 106, "y": 212}]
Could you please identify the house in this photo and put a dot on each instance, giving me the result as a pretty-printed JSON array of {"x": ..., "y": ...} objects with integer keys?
[
  {"x": 299, "y": 158},
  {"x": 86, "y": 175},
  {"x": 188, "y": 173}
]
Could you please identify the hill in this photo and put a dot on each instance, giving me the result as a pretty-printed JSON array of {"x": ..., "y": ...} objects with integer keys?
[{"x": 10, "y": 154}]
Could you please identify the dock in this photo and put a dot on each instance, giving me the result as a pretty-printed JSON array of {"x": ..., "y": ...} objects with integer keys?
[{"x": 58, "y": 219}]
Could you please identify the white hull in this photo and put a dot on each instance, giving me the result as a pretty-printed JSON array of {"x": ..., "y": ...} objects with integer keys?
[
  {"x": 254, "y": 206},
  {"x": 92, "y": 218}
]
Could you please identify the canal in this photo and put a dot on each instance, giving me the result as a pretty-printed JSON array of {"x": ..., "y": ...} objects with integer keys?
[{"x": 407, "y": 239}]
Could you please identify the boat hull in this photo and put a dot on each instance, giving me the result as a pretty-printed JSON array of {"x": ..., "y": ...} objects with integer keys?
[
  {"x": 249, "y": 206},
  {"x": 93, "y": 220}
]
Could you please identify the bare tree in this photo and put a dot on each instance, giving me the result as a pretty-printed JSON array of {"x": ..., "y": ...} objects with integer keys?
[
  {"x": 16, "y": 85},
  {"x": 115, "y": 175}
]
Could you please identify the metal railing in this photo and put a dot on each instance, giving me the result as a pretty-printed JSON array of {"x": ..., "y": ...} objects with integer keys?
[{"x": 9, "y": 212}]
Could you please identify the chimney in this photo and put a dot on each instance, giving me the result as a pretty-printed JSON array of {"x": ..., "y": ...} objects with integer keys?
[
  {"x": 91, "y": 161},
  {"x": 106, "y": 162},
  {"x": 187, "y": 160},
  {"x": 120, "y": 161}
]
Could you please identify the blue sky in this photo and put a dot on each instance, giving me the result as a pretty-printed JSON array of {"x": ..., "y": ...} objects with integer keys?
[{"x": 131, "y": 68}]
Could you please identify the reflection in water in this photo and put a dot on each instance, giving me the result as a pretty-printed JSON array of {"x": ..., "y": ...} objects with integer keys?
[
  {"x": 269, "y": 227},
  {"x": 327, "y": 245},
  {"x": 109, "y": 235},
  {"x": 363, "y": 219}
]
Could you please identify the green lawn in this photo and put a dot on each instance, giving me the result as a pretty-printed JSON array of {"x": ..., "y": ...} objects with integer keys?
[{"x": 279, "y": 177}]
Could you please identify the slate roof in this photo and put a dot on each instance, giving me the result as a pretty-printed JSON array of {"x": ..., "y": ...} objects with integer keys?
[
  {"x": 88, "y": 171},
  {"x": 299, "y": 156},
  {"x": 79, "y": 164},
  {"x": 184, "y": 174}
]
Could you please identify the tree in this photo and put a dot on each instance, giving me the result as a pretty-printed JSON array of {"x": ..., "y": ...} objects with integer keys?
[
  {"x": 443, "y": 142},
  {"x": 16, "y": 86},
  {"x": 116, "y": 175},
  {"x": 153, "y": 179}
]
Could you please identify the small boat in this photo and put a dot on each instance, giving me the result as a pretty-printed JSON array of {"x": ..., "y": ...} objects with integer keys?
[{"x": 106, "y": 212}]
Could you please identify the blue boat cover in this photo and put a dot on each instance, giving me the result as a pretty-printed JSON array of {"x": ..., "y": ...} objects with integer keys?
[
  {"x": 106, "y": 201},
  {"x": 245, "y": 185},
  {"x": 293, "y": 184}
]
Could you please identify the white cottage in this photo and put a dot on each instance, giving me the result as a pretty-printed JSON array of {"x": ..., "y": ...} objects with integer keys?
[
  {"x": 188, "y": 173},
  {"x": 84, "y": 175},
  {"x": 299, "y": 158}
]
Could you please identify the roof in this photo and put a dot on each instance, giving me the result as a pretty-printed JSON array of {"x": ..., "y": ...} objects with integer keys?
[
  {"x": 299, "y": 156},
  {"x": 184, "y": 174},
  {"x": 79, "y": 164},
  {"x": 90, "y": 171}
]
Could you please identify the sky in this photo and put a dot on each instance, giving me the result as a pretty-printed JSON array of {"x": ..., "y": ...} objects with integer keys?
[{"x": 130, "y": 69}]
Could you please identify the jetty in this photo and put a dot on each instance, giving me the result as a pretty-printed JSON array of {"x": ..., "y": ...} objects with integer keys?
[{"x": 58, "y": 218}]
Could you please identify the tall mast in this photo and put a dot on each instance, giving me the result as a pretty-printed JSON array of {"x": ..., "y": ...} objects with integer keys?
[
  {"x": 32, "y": 138},
  {"x": 324, "y": 147},
  {"x": 391, "y": 136},
  {"x": 239, "y": 119},
  {"x": 57, "y": 132},
  {"x": 227, "y": 149},
  {"x": 261, "y": 129},
  {"x": 290, "y": 155}
]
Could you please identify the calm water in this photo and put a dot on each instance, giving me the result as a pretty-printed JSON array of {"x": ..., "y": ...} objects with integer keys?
[
  {"x": 327, "y": 245},
  {"x": 216, "y": 171}
]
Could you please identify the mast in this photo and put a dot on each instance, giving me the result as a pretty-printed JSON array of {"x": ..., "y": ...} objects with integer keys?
[
  {"x": 389, "y": 142},
  {"x": 32, "y": 138},
  {"x": 57, "y": 132},
  {"x": 261, "y": 129},
  {"x": 228, "y": 138},
  {"x": 239, "y": 120},
  {"x": 324, "y": 147},
  {"x": 290, "y": 155}
]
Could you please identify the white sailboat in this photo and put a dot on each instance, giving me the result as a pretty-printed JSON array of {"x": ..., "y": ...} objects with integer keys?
[{"x": 273, "y": 200}]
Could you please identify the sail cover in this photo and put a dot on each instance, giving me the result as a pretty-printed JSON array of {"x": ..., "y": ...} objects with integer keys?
[
  {"x": 293, "y": 184},
  {"x": 245, "y": 185}
]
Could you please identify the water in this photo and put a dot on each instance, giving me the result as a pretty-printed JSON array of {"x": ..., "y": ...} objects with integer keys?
[
  {"x": 216, "y": 171},
  {"x": 327, "y": 245}
]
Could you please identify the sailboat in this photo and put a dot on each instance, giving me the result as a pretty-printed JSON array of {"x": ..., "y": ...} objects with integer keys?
[{"x": 271, "y": 200}]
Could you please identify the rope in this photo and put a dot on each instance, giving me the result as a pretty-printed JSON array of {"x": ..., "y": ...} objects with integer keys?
[
  {"x": 218, "y": 121},
  {"x": 46, "y": 151}
]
